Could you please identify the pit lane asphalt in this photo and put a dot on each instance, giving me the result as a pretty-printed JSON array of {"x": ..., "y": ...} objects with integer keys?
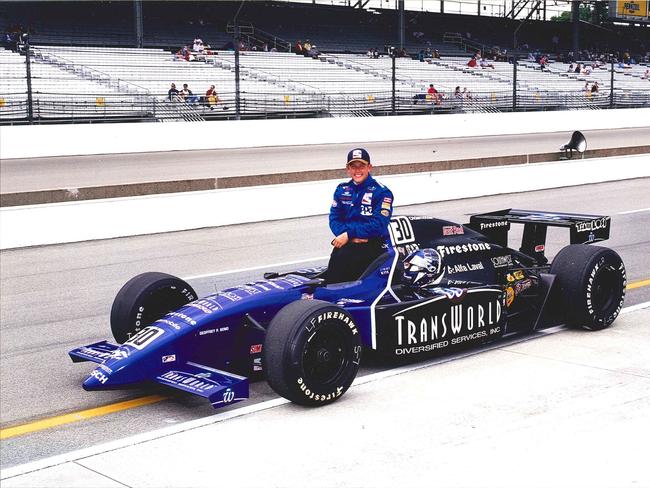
[
  {"x": 26, "y": 175},
  {"x": 55, "y": 298}
]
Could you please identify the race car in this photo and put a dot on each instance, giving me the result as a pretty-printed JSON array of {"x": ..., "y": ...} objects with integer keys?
[{"x": 438, "y": 287}]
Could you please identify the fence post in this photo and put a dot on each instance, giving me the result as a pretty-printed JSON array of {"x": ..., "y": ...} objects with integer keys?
[
  {"x": 611, "y": 83},
  {"x": 237, "y": 93},
  {"x": 392, "y": 100},
  {"x": 514, "y": 82},
  {"x": 28, "y": 67}
]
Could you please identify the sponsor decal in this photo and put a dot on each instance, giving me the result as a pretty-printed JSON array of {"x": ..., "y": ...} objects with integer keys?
[
  {"x": 592, "y": 225},
  {"x": 510, "y": 296},
  {"x": 438, "y": 323},
  {"x": 228, "y": 395},
  {"x": 523, "y": 285},
  {"x": 336, "y": 315},
  {"x": 592, "y": 237},
  {"x": 366, "y": 210},
  {"x": 590, "y": 285},
  {"x": 86, "y": 351},
  {"x": 463, "y": 248},
  {"x": 452, "y": 230},
  {"x": 257, "y": 364},
  {"x": 173, "y": 325},
  {"x": 407, "y": 249},
  {"x": 119, "y": 354},
  {"x": 348, "y": 301},
  {"x": 256, "y": 348},
  {"x": 517, "y": 275},
  {"x": 388, "y": 200},
  {"x": 454, "y": 294},
  {"x": 502, "y": 261},
  {"x": 198, "y": 383},
  {"x": 307, "y": 296},
  {"x": 182, "y": 316},
  {"x": 464, "y": 267},
  {"x": 366, "y": 199},
  {"x": 169, "y": 359},
  {"x": 539, "y": 248},
  {"x": 384, "y": 271},
  {"x": 230, "y": 296},
  {"x": 207, "y": 331},
  {"x": 385, "y": 206},
  {"x": 385, "y": 213},
  {"x": 319, "y": 397},
  {"x": 99, "y": 376},
  {"x": 492, "y": 225},
  {"x": 105, "y": 368}
]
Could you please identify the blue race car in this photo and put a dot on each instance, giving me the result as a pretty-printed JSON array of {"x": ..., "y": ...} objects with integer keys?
[{"x": 439, "y": 287}]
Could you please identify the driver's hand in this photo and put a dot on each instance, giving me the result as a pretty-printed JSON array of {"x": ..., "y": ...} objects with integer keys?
[{"x": 340, "y": 240}]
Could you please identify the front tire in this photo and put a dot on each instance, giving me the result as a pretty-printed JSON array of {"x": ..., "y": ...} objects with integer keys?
[
  {"x": 592, "y": 283},
  {"x": 144, "y": 299},
  {"x": 312, "y": 352}
]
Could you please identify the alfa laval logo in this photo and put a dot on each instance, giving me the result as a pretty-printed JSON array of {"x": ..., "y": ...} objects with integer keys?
[
  {"x": 592, "y": 225},
  {"x": 491, "y": 225}
]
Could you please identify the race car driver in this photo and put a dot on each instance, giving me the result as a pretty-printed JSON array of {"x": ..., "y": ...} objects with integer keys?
[{"x": 359, "y": 218}]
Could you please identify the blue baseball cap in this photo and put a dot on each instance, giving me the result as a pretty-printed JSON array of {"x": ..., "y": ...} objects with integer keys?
[{"x": 358, "y": 154}]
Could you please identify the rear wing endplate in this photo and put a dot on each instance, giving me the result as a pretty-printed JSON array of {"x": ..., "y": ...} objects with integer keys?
[{"x": 584, "y": 229}]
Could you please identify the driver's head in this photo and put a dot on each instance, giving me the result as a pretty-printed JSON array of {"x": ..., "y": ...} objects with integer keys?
[
  {"x": 423, "y": 267},
  {"x": 358, "y": 165}
]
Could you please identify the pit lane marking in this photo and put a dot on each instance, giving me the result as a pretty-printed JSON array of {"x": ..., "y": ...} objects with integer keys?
[
  {"x": 637, "y": 284},
  {"x": 638, "y": 210},
  {"x": 51, "y": 422},
  {"x": 68, "y": 418}
]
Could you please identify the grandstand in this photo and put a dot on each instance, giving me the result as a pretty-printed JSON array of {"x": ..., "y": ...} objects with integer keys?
[{"x": 82, "y": 67}]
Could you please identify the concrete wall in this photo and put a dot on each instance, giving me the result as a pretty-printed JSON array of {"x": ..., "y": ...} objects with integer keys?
[
  {"x": 69, "y": 140},
  {"x": 99, "y": 219}
]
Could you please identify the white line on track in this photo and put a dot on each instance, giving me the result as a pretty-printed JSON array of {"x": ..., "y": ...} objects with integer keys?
[
  {"x": 638, "y": 210},
  {"x": 258, "y": 407},
  {"x": 255, "y": 268}
]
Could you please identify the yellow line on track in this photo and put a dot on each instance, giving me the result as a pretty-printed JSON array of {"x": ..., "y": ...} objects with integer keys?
[
  {"x": 637, "y": 284},
  {"x": 118, "y": 407},
  {"x": 77, "y": 416}
]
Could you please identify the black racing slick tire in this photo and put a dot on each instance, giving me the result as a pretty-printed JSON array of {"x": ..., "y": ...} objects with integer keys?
[
  {"x": 312, "y": 352},
  {"x": 592, "y": 283},
  {"x": 144, "y": 299}
]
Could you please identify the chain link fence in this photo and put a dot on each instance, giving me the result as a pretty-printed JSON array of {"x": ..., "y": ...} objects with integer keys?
[{"x": 44, "y": 84}]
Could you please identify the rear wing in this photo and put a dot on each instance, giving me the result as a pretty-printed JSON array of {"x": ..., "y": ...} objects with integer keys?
[{"x": 584, "y": 229}]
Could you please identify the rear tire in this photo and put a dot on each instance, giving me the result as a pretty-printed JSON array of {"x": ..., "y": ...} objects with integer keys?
[
  {"x": 592, "y": 283},
  {"x": 312, "y": 352},
  {"x": 144, "y": 299}
]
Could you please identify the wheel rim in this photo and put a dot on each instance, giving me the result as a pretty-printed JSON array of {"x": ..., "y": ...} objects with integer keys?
[
  {"x": 325, "y": 356},
  {"x": 606, "y": 291}
]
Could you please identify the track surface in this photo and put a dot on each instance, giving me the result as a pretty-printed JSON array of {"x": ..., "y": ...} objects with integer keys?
[
  {"x": 20, "y": 175},
  {"x": 55, "y": 298}
]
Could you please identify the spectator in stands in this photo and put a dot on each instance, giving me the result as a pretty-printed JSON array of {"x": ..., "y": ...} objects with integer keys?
[
  {"x": 472, "y": 63},
  {"x": 172, "y": 93},
  {"x": 646, "y": 75},
  {"x": 306, "y": 47},
  {"x": 457, "y": 93},
  {"x": 197, "y": 45},
  {"x": 587, "y": 90},
  {"x": 432, "y": 95},
  {"x": 467, "y": 95},
  {"x": 594, "y": 87},
  {"x": 484, "y": 64},
  {"x": 543, "y": 60},
  {"x": 187, "y": 95},
  {"x": 298, "y": 49}
]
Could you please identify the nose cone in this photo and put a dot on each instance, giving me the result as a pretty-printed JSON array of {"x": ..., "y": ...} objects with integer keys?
[{"x": 97, "y": 380}]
